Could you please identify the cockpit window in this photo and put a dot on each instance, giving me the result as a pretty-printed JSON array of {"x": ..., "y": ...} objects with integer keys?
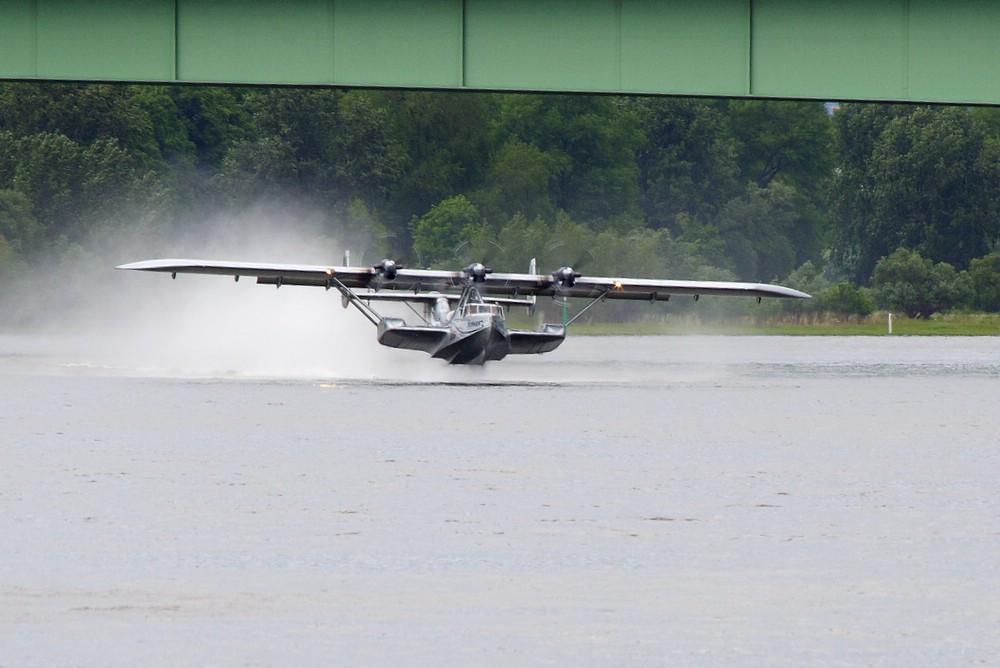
[{"x": 483, "y": 309}]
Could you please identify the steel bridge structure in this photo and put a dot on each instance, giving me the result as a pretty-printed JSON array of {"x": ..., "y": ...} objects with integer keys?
[{"x": 890, "y": 50}]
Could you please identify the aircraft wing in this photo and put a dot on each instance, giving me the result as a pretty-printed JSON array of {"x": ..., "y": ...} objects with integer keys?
[
  {"x": 646, "y": 289},
  {"x": 415, "y": 281},
  {"x": 372, "y": 278}
]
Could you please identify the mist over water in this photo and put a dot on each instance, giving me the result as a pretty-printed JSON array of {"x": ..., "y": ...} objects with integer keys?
[{"x": 205, "y": 325}]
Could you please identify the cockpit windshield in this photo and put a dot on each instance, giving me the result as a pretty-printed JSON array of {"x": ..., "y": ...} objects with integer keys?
[{"x": 483, "y": 309}]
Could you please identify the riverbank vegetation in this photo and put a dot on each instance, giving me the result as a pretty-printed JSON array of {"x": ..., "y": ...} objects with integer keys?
[
  {"x": 876, "y": 324},
  {"x": 871, "y": 208}
]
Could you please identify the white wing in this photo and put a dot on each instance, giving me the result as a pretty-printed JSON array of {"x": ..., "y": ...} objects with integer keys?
[{"x": 417, "y": 281}]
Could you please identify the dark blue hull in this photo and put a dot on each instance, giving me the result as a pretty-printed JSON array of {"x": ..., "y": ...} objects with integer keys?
[
  {"x": 475, "y": 345},
  {"x": 469, "y": 342}
]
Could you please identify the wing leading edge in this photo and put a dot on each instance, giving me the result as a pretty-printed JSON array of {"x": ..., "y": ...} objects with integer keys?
[{"x": 507, "y": 285}]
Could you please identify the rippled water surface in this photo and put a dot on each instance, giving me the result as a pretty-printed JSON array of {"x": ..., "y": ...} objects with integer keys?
[{"x": 620, "y": 501}]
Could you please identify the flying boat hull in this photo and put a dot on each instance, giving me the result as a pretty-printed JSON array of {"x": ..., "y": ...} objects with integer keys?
[{"x": 475, "y": 344}]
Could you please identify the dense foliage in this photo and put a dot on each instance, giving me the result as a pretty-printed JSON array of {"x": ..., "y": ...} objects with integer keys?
[{"x": 687, "y": 188}]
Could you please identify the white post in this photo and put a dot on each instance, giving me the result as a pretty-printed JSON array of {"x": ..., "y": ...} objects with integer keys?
[{"x": 890, "y": 323}]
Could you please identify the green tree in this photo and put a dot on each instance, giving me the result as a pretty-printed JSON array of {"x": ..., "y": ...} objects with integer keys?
[
  {"x": 169, "y": 127},
  {"x": 321, "y": 146},
  {"x": 984, "y": 276},
  {"x": 937, "y": 181},
  {"x": 782, "y": 140},
  {"x": 756, "y": 230},
  {"x": 510, "y": 246},
  {"x": 360, "y": 229},
  {"x": 18, "y": 226},
  {"x": 591, "y": 141},
  {"x": 687, "y": 164},
  {"x": 261, "y": 168},
  {"x": 83, "y": 113},
  {"x": 439, "y": 234},
  {"x": 906, "y": 281},
  {"x": 193, "y": 122},
  {"x": 212, "y": 118},
  {"x": 8, "y": 158},
  {"x": 522, "y": 179},
  {"x": 73, "y": 188},
  {"x": 788, "y": 142},
  {"x": 857, "y": 245},
  {"x": 846, "y": 300},
  {"x": 19, "y": 233},
  {"x": 11, "y": 265},
  {"x": 445, "y": 141},
  {"x": 919, "y": 177},
  {"x": 808, "y": 278}
]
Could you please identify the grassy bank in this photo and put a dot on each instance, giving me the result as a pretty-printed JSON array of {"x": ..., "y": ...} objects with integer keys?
[{"x": 953, "y": 324}]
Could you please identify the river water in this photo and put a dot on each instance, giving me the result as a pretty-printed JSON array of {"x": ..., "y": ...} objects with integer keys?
[{"x": 682, "y": 500}]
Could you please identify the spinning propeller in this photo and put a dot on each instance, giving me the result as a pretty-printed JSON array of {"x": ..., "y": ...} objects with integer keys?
[
  {"x": 477, "y": 272},
  {"x": 566, "y": 277},
  {"x": 387, "y": 269},
  {"x": 573, "y": 254}
]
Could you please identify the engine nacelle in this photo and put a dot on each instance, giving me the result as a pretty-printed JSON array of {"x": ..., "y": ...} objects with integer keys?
[
  {"x": 566, "y": 277},
  {"x": 477, "y": 272},
  {"x": 387, "y": 269}
]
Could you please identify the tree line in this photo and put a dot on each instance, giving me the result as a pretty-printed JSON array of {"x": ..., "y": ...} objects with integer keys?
[{"x": 872, "y": 205}]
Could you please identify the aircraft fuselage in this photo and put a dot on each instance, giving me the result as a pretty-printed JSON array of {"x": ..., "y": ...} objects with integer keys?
[
  {"x": 475, "y": 339},
  {"x": 475, "y": 332}
]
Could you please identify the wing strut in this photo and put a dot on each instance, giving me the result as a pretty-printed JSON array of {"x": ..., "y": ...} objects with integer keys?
[
  {"x": 599, "y": 298},
  {"x": 366, "y": 310}
]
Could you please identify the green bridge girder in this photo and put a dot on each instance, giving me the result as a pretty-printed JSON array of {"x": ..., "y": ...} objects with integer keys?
[{"x": 905, "y": 50}]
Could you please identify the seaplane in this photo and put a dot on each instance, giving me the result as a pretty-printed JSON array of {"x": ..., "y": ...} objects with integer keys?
[{"x": 462, "y": 318}]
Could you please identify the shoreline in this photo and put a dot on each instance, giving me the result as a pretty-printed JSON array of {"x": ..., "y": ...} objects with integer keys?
[{"x": 877, "y": 325}]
